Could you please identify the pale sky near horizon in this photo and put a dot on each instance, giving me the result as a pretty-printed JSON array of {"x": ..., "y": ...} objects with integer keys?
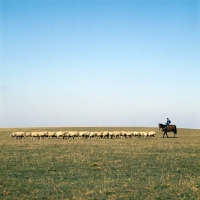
[{"x": 99, "y": 63}]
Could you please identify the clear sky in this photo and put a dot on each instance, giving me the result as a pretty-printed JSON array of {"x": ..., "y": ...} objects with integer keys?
[{"x": 99, "y": 63}]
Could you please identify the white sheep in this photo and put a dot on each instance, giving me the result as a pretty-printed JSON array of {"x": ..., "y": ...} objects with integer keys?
[
  {"x": 152, "y": 134},
  {"x": 18, "y": 135}
]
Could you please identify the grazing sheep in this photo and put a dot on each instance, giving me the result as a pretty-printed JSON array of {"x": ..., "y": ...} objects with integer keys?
[
  {"x": 81, "y": 134},
  {"x": 105, "y": 134},
  {"x": 27, "y": 134},
  {"x": 75, "y": 134},
  {"x": 95, "y": 134},
  {"x": 84, "y": 134},
  {"x": 143, "y": 134},
  {"x": 111, "y": 135},
  {"x": 91, "y": 134},
  {"x": 59, "y": 134},
  {"x": 116, "y": 134},
  {"x": 72, "y": 134},
  {"x": 34, "y": 135},
  {"x": 66, "y": 135},
  {"x": 87, "y": 134},
  {"x": 152, "y": 134},
  {"x": 99, "y": 135},
  {"x": 129, "y": 134},
  {"x": 42, "y": 134},
  {"x": 123, "y": 134},
  {"x": 18, "y": 135},
  {"x": 51, "y": 134},
  {"x": 136, "y": 133}
]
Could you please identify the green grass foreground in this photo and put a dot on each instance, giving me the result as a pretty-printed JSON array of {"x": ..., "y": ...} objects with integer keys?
[{"x": 135, "y": 168}]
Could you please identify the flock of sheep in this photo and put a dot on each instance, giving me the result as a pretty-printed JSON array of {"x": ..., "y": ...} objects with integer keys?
[{"x": 83, "y": 134}]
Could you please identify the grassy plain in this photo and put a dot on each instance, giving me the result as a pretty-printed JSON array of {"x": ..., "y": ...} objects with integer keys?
[{"x": 136, "y": 168}]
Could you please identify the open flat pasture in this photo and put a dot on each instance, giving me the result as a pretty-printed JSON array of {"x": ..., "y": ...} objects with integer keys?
[{"x": 127, "y": 168}]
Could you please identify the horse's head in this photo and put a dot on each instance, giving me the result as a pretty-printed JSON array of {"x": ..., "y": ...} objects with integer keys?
[{"x": 161, "y": 126}]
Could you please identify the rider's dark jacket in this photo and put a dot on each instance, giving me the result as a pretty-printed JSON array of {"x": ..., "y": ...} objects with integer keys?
[{"x": 168, "y": 122}]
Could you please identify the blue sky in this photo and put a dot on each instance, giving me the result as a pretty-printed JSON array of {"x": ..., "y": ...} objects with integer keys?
[{"x": 99, "y": 63}]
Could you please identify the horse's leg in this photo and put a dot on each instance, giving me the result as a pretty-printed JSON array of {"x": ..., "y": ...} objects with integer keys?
[
  {"x": 166, "y": 131},
  {"x": 163, "y": 134}
]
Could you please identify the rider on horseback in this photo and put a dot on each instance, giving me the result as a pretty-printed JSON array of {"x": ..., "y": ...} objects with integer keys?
[{"x": 168, "y": 123}]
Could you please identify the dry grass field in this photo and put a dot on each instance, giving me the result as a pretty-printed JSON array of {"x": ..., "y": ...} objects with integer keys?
[{"x": 131, "y": 168}]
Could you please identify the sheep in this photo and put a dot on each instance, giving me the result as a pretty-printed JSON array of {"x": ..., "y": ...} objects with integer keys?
[
  {"x": 81, "y": 134},
  {"x": 18, "y": 135},
  {"x": 42, "y": 134},
  {"x": 34, "y": 135},
  {"x": 51, "y": 134},
  {"x": 129, "y": 134},
  {"x": 123, "y": 134},
  {"x": 75, "y": 134},
  {"x": 136, "y": 133},
  {"x": 99, "y": 135},
  {"x": 143, "y": 134},
  {"x": 111, "y": 135},
  {"x": 105, "y": 134},
  {"x": 91, "y": 134},
  {"x": 84, "y": 134},
  {"x": 27, "y": 134},
  {"x": 59, "y": 134},
  {"x": 71, "y": 134},
  {"x": 152, "y": 134}
]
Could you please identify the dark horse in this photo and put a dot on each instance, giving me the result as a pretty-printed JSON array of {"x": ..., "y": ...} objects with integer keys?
[{"x": 170, "y": 128}]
